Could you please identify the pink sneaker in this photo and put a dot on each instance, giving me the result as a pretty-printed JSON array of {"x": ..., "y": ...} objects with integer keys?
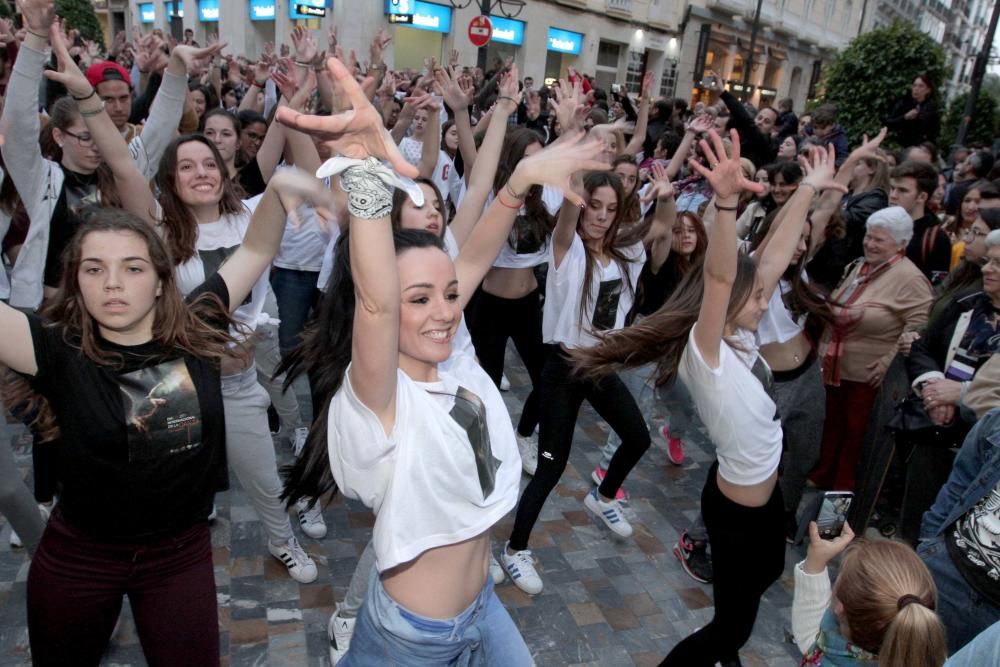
[
  {"x": 675, "y": 447},
  {"x": 598, "y": 476}
]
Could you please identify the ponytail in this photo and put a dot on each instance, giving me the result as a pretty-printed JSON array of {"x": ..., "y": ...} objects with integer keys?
[{"x": 914, "y": 638}]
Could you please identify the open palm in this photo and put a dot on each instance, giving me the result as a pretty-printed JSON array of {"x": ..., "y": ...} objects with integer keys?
[{"x": 356, "y": 133}]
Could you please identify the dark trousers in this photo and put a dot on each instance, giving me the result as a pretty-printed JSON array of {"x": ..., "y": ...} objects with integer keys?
[
  {"x": 748, "y": 555},
  {"x": 564, "y": 394},
  {"x": 296, "y": 294},
  {"x": 492, "y": 320},
  {"x": 76, "y": 585},
  {"x": 848, "y": 409}
]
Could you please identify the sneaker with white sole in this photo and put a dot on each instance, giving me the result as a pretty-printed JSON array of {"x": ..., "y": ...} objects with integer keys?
[
  {"x": 300, "y": 565},
  {"x": 299, "y": 439},
  {"x": 15, "y": 539},
  {"x": 214, "y": 514},
  {"x": 610, "y": 513},
  {"x": 598, "y": 476},
  {"x": 675, "y": 446},
  {"x": 520, "y": 565},
  {"x": 528, "y": 447},
  {"x": 311, "y": 518},
  {"x": 504, "y": 383},
  {"x": 496, "y": 570},
  {"x": 340, "y": 631}
]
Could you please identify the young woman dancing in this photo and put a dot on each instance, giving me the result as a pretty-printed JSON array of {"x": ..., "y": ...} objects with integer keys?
[
  {"x": 432, "y": 451},
  {"x": 705, "y": 334}
]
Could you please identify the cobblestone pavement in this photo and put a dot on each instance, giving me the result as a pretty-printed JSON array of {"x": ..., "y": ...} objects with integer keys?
[{"x": 607, "y": 602}]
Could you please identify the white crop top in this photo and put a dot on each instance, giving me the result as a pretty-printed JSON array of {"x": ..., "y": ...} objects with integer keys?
[
  {"x": 777, "y": 324},
  {"x": 441, "y": 476},
  {"x": 740, "y": 416},
  {"x": 611, "y": 296}
]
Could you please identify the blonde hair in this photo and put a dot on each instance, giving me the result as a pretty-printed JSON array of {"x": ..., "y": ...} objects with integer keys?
[{"x": 889, "y": 599}]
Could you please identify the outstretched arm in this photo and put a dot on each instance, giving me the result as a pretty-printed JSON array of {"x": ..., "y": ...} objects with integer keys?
[
  {"x": 727, "y": 180},
  {"x": 660, "y": 236},
  {"x": 17, "y": 351},
  {"x": 642, "y": 122}
]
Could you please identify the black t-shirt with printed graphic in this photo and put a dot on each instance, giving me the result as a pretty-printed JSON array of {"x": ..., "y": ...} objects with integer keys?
[{"x": 142, "y": 445}]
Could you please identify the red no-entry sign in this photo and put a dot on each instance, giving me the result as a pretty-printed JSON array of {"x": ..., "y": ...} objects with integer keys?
[{"x": 480, "y": 30}]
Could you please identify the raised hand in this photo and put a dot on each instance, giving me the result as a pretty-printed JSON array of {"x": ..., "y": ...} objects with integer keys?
[
  {"x": 556, "y": 164},
  {"x": 68, "y": 73},
  {"x": 193, "y": 57},
  {"x": 510, "y": 88},
  {"x": 868, "y": 150},
  {"x": 725, "y": 175},
  {"x": 285, "y": 82},
  {"x": 647, "y": 84},
  {"x": 377, "y": 47},
  {"x": 821, "y": 551},
  {"x": 305, "y": 44},
  {"x": 457, "y": 96},
  {"x": 700, "y": 124},
  {"x": 660, "y": 188},
  {"x": 819, "y": 169},
  {"x": 331, "y": 38},
  {"x": 453, "y": 58},
  {"x": 568, "y": 105},
  {"x": 295, "y": 188},
  {"x": 38, "y": 15},
  {"x": 357, "y": 133}
]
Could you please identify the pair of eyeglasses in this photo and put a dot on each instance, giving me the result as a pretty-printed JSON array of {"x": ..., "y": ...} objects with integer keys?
[{"x": 84, "y": 139}]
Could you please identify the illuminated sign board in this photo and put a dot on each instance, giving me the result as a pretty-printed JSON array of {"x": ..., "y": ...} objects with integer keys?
[
  {"x": 147, "y": 13},
  {"x": 507, "y": 31},
  {"x": 208, "y": 11},
  {"x": 262, "y": 10},
  {"x": 426, "y": 15},
  {"x": 170, "y": 10},
  {"x": 307, "y": 9},
  {"x": 565, "y": 41}
]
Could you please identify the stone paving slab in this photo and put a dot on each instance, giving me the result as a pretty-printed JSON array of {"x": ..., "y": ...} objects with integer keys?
[{"x": 607, "y": 602}]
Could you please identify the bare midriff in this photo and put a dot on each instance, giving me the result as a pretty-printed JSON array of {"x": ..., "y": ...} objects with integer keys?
[
  {"x": 441, "y": 582},
  {"x": 510, "y": 283},
  {"x": 787, "y": 356},
  {"x": 751, "y": 495}
]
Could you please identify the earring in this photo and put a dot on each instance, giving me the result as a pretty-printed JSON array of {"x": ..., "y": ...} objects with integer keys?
[{"x": 60, "y": 145}]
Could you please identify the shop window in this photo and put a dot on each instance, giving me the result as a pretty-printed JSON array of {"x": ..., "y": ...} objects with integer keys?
[
  {"x": 608, "y": 54},
  {"x": 633, "y": 76},
  {"x": 668, "y": 81}
]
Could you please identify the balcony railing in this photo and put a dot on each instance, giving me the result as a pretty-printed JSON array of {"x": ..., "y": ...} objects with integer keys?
[{"x": 621, "y": 6}]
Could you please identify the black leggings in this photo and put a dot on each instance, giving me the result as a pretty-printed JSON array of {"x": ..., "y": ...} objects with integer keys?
[
  {"x": 492, "y": 320},
  {"x": 564, "y": 394},
  {"x": 748, "y": 555}
]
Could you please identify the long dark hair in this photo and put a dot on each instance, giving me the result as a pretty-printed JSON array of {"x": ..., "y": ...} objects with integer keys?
[
  {"x": 540, "y": 220},
  {"x": 323, "y": 355},
  {"x": 181, "y": 226},
  {"x": 636, "y": 226},
  {"x": 661, "y": 337},
  {"x": 807, "y": 298},
  {"x": 199, "y": 329},
  {"x": 62, "y": 114}
]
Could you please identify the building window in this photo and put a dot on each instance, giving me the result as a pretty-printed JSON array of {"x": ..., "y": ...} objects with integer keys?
[
  {"x": 607, "y": 54},
  {"x": 633, "y": 77},
  {"x": 668, "y": 82}
]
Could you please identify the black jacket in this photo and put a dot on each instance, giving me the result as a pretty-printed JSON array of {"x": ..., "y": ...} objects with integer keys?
[
  {"x": 756, "y": 147},
  {"x": 930, "y": 351},
  {"x": 933, "y": 254},
  {"x": 925, "y": 127}
]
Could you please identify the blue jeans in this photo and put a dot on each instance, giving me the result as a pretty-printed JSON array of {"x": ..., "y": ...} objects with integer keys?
[
  {"x": 983, "y": 650},
  {"x": 389, "y": 634},
  {"x": 964, "y": 612},
  {"x": 296, "y": 294}
]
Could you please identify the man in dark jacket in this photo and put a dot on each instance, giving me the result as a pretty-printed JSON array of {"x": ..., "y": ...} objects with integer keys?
[
  {"x": 912, "y": 184},
  {"x": 788, "y": 122},
  {"x": 826, "y": 129},
  {"x": 756, "y": 142}
]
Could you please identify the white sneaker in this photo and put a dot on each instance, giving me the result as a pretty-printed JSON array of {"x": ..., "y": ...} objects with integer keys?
[
  {"x": 504, "y": 383},
  {"x": 496, "y": 570},
  {"x": 521, "y": 567},
  {"x": 528, "y": 446},
  {"x": 214, "y": 514},
  {"x": 15, "y": 539},
  {"x": 610, "y": 513},
  {"x": 299, "y": 439},
  {"x": 340, "y": 631},
  {"x": 311, "y": 519},
  {"x": 300, "y": 566}
]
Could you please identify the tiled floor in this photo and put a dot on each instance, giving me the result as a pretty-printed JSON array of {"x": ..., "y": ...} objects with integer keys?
[{"x": 607, "y": 602}]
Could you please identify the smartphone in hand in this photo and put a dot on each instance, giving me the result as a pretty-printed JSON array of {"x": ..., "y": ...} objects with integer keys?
[{"x": 829, "y": 510}]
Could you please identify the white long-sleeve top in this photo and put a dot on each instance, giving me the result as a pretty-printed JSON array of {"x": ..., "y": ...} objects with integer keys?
[{"x": 812, "y": 598}]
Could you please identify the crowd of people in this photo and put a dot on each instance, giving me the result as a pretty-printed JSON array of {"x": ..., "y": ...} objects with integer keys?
[{"x": 187, "y": 233}]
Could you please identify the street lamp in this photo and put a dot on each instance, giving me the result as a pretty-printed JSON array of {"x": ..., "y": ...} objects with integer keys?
[{"x": 509, "y": 8}]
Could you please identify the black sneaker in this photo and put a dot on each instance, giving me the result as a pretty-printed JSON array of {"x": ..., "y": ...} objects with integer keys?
[{"x": 694, "y": 558}]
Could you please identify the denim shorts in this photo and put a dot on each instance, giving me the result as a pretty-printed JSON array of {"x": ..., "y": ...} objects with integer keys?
[{"x": 387, "y": 633}]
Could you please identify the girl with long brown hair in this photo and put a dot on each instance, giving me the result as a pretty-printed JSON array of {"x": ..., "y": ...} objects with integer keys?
[
  {"x": 204, "y": 222},
  {"x": 590, "y": 287},
  {"x": 704, "y": 333}
]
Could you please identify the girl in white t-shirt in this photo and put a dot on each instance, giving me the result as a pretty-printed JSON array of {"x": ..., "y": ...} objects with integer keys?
[
  {"x": 432, "y": 452},
  {"x": 589, "y": 290},
  {"x": 705, "y": 334}
]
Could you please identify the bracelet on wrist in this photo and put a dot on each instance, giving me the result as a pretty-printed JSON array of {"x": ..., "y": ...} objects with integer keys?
[
  {"x": 93, "y": 91},
  {"x": 507, "y": 97},
  {"x": 515, "y": 195},
  {"x": 719, "y": 207},
  {"x": 87, "y": 113},
  {"x": 260, "y": 84},
  {"x": 516, "y": 206},
  {"x": 815, "y": 189},
  {"x": 303, "y": 63},
  {"x": 37, "y": 34}
]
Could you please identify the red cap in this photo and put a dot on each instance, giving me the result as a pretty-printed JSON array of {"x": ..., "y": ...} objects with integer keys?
[{"x": 106, "y": 70}]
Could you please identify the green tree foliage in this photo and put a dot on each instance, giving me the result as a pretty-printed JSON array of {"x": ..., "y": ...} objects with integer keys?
[
  {"x": 867, "y": 78},
  {"x": 79, "y": 14},
  {"x": 983, "y": 127}
]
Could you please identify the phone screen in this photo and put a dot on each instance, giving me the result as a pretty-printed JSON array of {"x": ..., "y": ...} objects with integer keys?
[{"x": 833, "y": 515}]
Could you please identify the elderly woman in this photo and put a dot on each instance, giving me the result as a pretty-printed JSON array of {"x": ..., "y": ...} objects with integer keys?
[{"x": 882, "y": 295}]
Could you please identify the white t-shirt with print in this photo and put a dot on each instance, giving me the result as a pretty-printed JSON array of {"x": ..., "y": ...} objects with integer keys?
[
  {"x": 611, "y": 295},
  {"x": 432, "y": 481}
]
